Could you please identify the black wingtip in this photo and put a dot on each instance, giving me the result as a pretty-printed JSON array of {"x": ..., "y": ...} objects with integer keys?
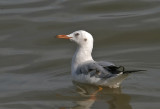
[{"x": 132, "y": 71}]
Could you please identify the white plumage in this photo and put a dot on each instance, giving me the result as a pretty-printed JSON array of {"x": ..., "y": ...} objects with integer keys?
[{"x": 85, "y": 70}]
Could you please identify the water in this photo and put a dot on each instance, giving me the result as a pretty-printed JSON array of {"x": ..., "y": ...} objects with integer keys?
[{"x": 35, "y": 66}]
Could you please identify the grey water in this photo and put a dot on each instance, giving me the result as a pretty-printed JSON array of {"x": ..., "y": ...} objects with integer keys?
[{"x": 35, "y": 66}]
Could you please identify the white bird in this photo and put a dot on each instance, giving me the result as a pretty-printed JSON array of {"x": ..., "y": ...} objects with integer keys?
[{"x": 85, "y": 70}]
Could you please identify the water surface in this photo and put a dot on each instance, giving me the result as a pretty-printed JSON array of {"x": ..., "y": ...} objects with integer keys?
[{"x": 35, "y": 66}]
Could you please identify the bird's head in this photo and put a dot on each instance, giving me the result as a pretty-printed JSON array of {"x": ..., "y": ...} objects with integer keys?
[{"x": 81, "y": 37}]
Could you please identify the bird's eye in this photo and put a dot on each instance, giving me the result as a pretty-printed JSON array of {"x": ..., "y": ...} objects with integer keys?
[
  {"x": 77, "y": 34},
  {"x": 85, "y": 39}
]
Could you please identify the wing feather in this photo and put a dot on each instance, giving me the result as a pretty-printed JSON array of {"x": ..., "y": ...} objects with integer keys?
[{"x": 94, "y": 69}]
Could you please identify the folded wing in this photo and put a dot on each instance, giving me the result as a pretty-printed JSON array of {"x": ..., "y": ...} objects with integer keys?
[{"x": 99, "y": 69}]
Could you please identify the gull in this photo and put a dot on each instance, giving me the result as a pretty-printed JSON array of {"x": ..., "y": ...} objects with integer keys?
[{"x": 85, "y": 70}]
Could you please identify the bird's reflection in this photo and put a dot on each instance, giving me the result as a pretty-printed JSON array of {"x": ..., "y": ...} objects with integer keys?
[{"x": 113, "y": 98}]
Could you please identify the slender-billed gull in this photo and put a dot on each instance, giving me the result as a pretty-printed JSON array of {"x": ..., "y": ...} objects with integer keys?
[{"x": 85, "y": 70}]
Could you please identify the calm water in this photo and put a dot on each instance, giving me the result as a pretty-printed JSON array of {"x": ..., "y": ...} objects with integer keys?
[{"x": 35, "y": 66}]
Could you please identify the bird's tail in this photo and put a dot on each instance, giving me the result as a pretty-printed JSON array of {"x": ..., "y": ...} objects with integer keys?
[
  {"x": 132, "y": 71},
  {"x": 122, "y": 69}
]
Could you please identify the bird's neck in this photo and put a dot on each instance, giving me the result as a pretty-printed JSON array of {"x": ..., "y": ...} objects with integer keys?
[{"x": 82, "y": 54}]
